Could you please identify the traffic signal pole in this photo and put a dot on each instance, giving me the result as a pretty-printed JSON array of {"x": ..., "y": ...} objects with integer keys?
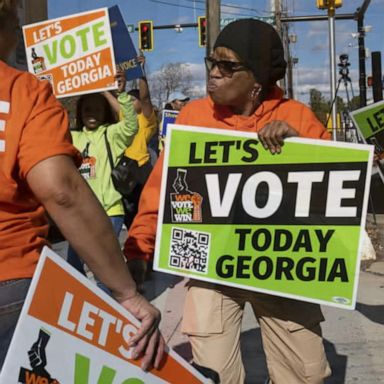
[
  {"x": 357, "y": 16},
  {"x": 332, "y": 66}
]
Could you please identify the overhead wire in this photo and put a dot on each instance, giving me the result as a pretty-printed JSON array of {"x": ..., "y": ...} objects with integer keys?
[{"x": 203, "y": 9}]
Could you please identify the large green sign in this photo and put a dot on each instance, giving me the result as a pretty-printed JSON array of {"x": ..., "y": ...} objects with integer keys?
[{"x": 290, "y": 224}]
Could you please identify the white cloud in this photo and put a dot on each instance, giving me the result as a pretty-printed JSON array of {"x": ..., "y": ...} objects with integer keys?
[
  {"x": 197, "y": 71},
  {"x": 319, "y": 78}
]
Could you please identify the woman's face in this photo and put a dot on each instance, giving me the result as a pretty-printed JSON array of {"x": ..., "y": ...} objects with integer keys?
[
  {"x": 93, "y": 112},
  {"x": 9, "y": 33},
  {"x": 230, "y": 84}
]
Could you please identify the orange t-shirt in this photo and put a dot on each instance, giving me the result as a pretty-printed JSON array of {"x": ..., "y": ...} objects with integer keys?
[
  {"x": 33, "y": 127},
  {"x": 203, "y": 113}
]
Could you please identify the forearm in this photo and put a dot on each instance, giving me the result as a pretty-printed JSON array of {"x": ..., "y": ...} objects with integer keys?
[
  {"x": 127, "y": 126},
  {"x": 145, "y": 98},
  {"x": 83, "y": 222},
  {"x": 113, "y": 103},
  {"x": 142, "y": 234}
]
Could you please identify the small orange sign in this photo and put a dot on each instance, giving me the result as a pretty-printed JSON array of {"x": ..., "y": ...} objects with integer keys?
[{"x": 74, "y": 53}]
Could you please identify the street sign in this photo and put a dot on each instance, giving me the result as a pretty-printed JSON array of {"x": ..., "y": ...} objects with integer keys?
[
  {"x": 131, "y": 28},
  {"x": 225, "y": 21}
]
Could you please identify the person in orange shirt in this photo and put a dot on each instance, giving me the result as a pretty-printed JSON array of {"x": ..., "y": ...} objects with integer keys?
[
  {"x": 247, "y": 61},
  {"x": 38, "y": 173}
]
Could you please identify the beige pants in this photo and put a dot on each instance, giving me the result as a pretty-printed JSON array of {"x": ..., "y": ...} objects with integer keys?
[{"x": 290, "y": 333}]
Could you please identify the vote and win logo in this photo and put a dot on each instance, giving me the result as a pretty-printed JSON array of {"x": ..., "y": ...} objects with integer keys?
[{"x": 185, "y": 204}]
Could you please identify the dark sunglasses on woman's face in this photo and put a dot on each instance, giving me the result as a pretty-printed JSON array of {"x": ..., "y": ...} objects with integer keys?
[{"x": 226, "y": 67}]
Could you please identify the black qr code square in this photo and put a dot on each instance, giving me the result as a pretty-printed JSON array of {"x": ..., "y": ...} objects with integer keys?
[{"x": 189, "y": 250}]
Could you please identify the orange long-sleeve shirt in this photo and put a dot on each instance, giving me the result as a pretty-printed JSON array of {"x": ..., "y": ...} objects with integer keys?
[{"x": 203, "y": 113}]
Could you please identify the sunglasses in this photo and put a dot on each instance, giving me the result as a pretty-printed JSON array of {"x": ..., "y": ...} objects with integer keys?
[{"x": 226, "y": 67}]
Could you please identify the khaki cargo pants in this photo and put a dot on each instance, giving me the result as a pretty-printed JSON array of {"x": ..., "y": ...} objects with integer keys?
[{"x": 290, "y": 331}]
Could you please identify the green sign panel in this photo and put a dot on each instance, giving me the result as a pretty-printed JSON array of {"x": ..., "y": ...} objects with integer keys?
[
  {"x": 370, "y": 123},
  {"x": 290, "y": 224}
]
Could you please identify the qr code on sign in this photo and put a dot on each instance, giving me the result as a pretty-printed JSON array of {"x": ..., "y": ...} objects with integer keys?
[{"x": 189, "y": 250}]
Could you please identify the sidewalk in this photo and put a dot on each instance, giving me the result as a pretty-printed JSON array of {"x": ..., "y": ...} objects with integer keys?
[{"x": 378, "y": 265}]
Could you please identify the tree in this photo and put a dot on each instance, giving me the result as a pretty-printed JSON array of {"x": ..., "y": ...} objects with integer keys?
[
  {"x": 318, "y": 104},
  {"x": 171, "y": 77},
  {"x": 355, "y": 103},
  {"x": 340, "y": 106}
]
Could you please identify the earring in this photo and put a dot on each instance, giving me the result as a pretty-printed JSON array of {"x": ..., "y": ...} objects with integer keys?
[{"x": 255, "y": 92}]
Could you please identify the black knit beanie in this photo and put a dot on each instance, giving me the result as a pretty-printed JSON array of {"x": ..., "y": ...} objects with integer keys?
[{"x": 259, "y": 47}]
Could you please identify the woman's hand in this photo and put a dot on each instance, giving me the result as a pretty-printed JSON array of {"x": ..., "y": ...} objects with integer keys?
[
  {"x": 121, "y": 80},
  {"x": 148, "y": 342},
  {"x": 272, "y": 135}
]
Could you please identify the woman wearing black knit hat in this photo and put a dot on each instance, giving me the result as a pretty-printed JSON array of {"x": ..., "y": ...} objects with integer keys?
[{"x": 247, "y": 61}]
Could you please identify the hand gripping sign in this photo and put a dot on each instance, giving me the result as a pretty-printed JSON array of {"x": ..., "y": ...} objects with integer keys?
[
  {"x": 70, "y": 331},
  {"x": 74, "y": 53},
  {"x": 290, "y": 225}
]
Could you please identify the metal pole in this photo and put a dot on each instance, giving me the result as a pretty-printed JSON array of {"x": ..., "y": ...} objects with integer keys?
[
  {"x": 362, "y": 77},
  {"x": 332, "y": 64},
  {"x": 289, "y": 19}
]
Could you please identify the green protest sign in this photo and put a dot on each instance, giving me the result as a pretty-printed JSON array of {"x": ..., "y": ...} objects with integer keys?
[
  {"x": 370, "y": 120},
  {"x": 290, "y": 224},
  {"x": 370, "y": 123}
]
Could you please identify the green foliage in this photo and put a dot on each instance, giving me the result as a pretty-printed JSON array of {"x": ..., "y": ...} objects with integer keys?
[
  {"x": 322, "y": 106},
  {"x": 318, "y": 104}
]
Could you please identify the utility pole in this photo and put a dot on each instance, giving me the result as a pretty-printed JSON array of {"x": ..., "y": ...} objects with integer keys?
[
  {"x": 332, "y": 64},
  {"x": 276, "y": 9},
  {"x": 361, "y": 40},
  {"x": 213, "y": 23}
]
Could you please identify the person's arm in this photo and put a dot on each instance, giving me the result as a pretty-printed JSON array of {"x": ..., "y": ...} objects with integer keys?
[
  {"x": 145, "y": 98},
  {"x": 121, "y": 134},
  {"x": 140, "y": 244},
  {"x": 272, "y": 135},
  {"x": 114, "y": 104},
  {"x": 111, "y": 98},
  {"x": 58, "y": 185},
  {"x": 303, "y": 124}
]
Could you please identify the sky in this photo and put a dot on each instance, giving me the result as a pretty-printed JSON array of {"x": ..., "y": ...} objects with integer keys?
[{"x": 311, "y": 48}]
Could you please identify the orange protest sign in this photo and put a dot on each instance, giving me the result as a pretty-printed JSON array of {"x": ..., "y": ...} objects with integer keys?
[
  {"x": 74, "y": 53},
  {"x": 65, "y": 312}
]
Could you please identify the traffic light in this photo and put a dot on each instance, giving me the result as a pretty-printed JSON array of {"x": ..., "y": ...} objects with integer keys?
[
  {"x": 369, "y": 81},
  {"x": 202, "y": 29},
  {"x": 325, "y": 4},
  {"x": 146, "y": 35}
]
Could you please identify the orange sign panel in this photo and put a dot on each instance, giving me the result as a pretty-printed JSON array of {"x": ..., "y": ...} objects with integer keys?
[{"x": 74, "y": 53}]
